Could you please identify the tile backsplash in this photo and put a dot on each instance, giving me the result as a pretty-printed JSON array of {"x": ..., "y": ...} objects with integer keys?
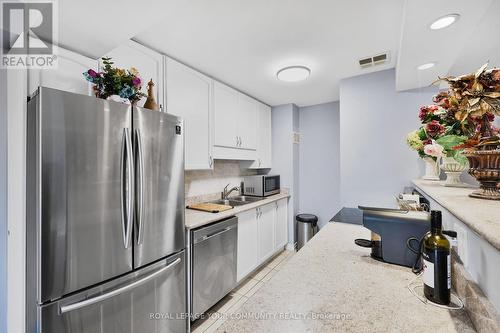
[{"x": 203, "y": 182}]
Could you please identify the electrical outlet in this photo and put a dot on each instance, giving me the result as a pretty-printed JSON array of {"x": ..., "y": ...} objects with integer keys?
[{"x": 296, "y": 138}]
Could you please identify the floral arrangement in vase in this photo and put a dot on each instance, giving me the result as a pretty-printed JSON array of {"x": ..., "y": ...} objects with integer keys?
[
  {"x": 476, "y": 101},
  {"x": 438, "y": 136},
  {"x": 122, "y": 85}
]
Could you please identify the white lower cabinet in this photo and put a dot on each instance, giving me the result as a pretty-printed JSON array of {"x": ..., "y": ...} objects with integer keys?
[
  {"x": 266, "y": 216},
  {"x": 262, "y": 232},
  {"x": 281, "y": 223},
  {"x": 248, "y": 255}
]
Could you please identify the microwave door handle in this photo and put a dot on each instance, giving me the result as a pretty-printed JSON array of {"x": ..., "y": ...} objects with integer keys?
[
  {"x": 130, "y": 192},
  {"x": 140, "y": 194},
  {"x": 75, "y": 306}
]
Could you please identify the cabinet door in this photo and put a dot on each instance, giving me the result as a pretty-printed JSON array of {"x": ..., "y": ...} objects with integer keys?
[
  {"x": 68, "y": 76},
  {"x": 189, "y": 95},
  {"x": 266, "y": 231},
  {"x": 247, "y": 122},
  {"x": 281, "y": 224},
  {"x": 148, "y": 62},
  {"x": 226, "y": 116},
  {"x": 248, "y": 255},
  {"x": 264, "y": 139}
]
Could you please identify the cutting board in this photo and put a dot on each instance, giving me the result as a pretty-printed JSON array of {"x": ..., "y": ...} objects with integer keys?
[{"x": 210, "y": 207}]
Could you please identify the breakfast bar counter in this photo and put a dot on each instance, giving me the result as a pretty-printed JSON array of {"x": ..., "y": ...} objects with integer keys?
[
  {"x": 332, "y": 285},
  {"x": 482, "y": 216}
]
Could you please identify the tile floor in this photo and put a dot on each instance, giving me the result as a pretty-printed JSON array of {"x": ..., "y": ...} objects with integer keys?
[{"x": 214, "y": 318}]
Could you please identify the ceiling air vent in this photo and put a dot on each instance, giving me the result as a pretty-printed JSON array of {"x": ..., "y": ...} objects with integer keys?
[
  {"x": 378, "y": 59},
  {"x": 367, "y": 62}
]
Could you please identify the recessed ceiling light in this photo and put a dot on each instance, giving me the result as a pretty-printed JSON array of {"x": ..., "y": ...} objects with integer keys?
[
  {"x": 444, "y": 21},
  {"x": 426, "y": 66},
  {"x": 293, "y": 73}
]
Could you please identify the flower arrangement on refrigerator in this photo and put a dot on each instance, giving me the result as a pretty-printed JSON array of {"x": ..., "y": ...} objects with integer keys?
[{"x": 113, "y": 81}]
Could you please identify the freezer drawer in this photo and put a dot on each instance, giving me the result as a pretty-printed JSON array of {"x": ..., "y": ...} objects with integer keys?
[
  {"x": 151, "y": 300},
  {"x": 214, "y": 263}
]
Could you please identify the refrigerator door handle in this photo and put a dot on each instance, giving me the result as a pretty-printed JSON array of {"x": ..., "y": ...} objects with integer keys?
[
  {"x": 123, "y": 204},
  {"x": 75, "y": 306},
  {"x": 140, "y": 199},
  {"x": 130, "y": 188}
]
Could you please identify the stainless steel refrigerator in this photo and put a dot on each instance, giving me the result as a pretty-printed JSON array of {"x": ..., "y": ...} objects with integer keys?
[{"x": 105, "y": 217}]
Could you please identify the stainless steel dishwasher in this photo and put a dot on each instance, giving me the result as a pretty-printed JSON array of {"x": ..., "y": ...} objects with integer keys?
[{"x": 214, "y": 250}]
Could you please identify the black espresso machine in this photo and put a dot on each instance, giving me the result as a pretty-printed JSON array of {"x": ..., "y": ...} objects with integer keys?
[{"x": 392, "y": 231}]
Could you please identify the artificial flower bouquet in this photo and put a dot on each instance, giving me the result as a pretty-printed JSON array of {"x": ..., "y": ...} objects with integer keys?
[
  {"x": 116, "y": 83},
  {"x": 476, "y": 97},
  {"x": 460, "y": 118}
]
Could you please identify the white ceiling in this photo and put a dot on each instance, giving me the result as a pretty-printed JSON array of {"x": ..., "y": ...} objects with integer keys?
[
  {"x": 95, "y": 27},
  {"x": 420, "y": 45},
  {"x": 243, "y": 43}
]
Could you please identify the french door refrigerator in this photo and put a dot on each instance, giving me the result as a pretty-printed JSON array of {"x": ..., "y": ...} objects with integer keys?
[{"x": 105, "y": 217}]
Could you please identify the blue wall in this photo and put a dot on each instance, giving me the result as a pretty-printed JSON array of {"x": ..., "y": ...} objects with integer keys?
[
  {"x": 320, "y": 160},
  {"x": 374, "y": 120}
]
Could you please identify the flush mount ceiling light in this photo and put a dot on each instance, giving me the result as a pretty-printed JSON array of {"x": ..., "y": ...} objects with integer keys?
[
  {"x": 293, "y": 73},
  {"x": 444, "y": 21},
  {"x": 426, "y": 66}
]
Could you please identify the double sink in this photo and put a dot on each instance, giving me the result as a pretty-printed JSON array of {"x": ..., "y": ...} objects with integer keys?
[{"x": 239, "y": 200}]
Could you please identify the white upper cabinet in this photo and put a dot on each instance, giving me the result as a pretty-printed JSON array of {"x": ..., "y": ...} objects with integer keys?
[
  {"x": 264, "y": 139},
  {"x": 226, "y": 108},
  {"x": 247, "y": 122},
  {"x": 148, "y": 62},
  {"x": 189, "y": 95},
  {"x": 235, "y": 124},
  {"x": 68, "y": 75}
]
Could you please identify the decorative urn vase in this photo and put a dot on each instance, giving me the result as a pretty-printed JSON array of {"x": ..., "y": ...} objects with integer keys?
[
  {"x": 453, "y": 170},
  {"x": 485, "y": 167},
  {"x": 431, "y": 169}
]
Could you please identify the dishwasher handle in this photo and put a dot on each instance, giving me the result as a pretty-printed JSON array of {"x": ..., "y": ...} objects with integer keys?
[
  {"x": 208, "y": 236},
  {"x": 215, "y": 233}
]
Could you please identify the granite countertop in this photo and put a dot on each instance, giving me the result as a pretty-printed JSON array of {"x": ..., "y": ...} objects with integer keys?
[
  {"x": 330, "y": 275},
  {"x": 482, "y": 216},
  {"x": 194, "y": 218}
]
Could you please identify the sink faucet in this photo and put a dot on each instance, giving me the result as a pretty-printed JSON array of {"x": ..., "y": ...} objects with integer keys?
[{"x": 225, "y": 193}]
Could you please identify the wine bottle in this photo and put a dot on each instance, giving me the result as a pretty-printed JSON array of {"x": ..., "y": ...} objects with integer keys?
[{"x": 436, "y": 262}]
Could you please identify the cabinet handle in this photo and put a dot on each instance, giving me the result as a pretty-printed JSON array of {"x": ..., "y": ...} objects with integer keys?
[
  {"x": 241, "y": 142},
  {"x": 210, "y": 161},
  {"x": 237, "y": 142}
]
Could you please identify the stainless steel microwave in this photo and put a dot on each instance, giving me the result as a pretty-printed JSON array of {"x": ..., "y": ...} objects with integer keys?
[{"x": 261, "y": 185}]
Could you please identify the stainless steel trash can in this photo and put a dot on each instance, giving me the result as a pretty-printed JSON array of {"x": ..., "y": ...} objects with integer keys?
[{"x": 307, "y": 227}]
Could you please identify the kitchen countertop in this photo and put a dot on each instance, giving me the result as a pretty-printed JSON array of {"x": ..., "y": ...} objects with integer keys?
[
  {"x": 194, "y": 218},
  {"x": 331, "y": 275},
  {"x": 482, "y": 216}
]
